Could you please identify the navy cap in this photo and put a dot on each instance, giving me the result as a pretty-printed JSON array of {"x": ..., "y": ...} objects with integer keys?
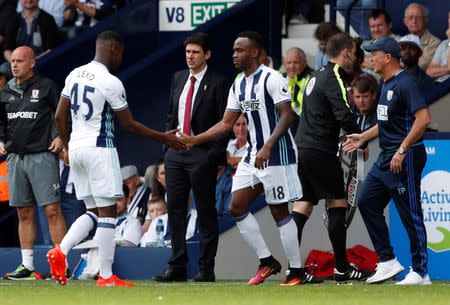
[{"x": 386, "y": 44}]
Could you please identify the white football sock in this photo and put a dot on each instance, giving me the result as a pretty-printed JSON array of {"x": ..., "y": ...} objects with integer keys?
[
  {"x": 78, "y": 231},
  {"x": 27, "y": 259},
  {"x": 106, "y": 245},
  {"x": 288, "y": 234},
  {"x": 250, "y": 231}
]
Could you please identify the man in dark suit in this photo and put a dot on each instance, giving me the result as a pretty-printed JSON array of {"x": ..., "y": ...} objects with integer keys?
[{"x": 197, "y": 102}]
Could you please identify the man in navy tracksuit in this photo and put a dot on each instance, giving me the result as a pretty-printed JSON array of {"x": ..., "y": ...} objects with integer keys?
[{"x": 402, "y": 120}]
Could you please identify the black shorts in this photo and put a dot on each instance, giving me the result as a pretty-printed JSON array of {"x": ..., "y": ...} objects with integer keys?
[{"x": 321, "y": 175}]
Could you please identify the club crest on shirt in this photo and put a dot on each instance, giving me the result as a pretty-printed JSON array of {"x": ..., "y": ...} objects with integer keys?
[
  {"x": 310, "y": 86},
  {"x": 256, "y": 88},
  {"x": 389, "y": 95},
  {"x": 34, "y": 96}
]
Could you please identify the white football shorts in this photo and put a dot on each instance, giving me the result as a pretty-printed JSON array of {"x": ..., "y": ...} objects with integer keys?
[
  {"x": 96, "y": 174},
  {"x": 281, "y": 183}
]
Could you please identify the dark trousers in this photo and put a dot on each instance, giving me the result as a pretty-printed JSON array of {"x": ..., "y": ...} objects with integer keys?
[
  {"x": 380, "y": 186},
  {"x": 186, "y": 170}
]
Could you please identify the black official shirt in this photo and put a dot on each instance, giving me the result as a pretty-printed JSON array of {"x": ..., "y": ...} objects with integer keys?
[
  {"x": 27, "y": 115},
  {"x": 325, "y": 111}
]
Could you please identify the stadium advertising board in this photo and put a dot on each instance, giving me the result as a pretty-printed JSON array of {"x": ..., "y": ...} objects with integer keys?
[
  {"x": 435, "y": 197},
  {"x": 182, "y": 15}
]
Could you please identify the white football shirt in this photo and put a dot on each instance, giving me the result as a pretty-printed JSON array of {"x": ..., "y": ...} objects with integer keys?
[
  {"x": 94, "y": 94},
  {"x": 257, "y": 96}
]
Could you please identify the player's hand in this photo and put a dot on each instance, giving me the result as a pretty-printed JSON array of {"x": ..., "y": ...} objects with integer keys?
[
  {"x": 262, "y": 157},
  {"x": 353, "y": 142},
  {"x": 171, "y": 140},
  {"x": 187, "y": 140},
  {"x": 397, "y": 162},
  {"x": 56, "y": 146},
  {"x": 3, "y": 150},
  {"x": 65, "y": 157}
]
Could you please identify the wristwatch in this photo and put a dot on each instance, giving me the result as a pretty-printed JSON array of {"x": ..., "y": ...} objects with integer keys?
[{"x": 402, "y": 151}]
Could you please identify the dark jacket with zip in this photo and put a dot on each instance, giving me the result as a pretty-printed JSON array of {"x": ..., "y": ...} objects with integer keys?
[{"x": 27, "y": 114}]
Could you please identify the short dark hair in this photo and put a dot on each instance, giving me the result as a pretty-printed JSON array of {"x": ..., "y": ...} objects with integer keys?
[
  {"x": 110, "y": 36},
  {"x": 156, "y": 199},
  {"x": 339, "y": 42},
  {"x": 380, "y": 12},
  {"x": 365, "y": 83},
  {"x": 199, "y": 38},
  {"x": 255, "y": 37},
  {"x": 325, "y": 30}
]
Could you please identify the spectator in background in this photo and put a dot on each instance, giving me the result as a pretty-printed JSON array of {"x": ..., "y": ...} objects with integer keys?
[
  {"x": 322, "y": 33},
  {"x": 380, "y": 25},
  {"x": 148, "y": 176},
  {"x": 236, "y": 149},
  {"x": 34, "y": 28},
  {"x": 3, "y": 80},
  {"x": 439, "y": 67},
  {"x": 53, "y": 7},
  {"x": 416, "y": 20},
  {"x": 139, "y": 194},
  {"x": 297, "y": 75},
  {"x": 358, "y": 17},
  {"x": 265, "y": 59},
  {"x": 158, "y": 183},
  {"x": 159, "y": 211},
  {"x": 364, "y": 91},
  {"x": 128, "y": 229},
  {"x": 90, "y": 12},
  {"x": 156, "y": 206},
  {"x": 410, "y": 52},
  {"x": 7, "y": 13}
]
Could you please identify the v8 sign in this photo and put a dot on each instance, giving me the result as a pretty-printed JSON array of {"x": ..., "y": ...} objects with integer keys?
[{"x": 183, "y": 15}]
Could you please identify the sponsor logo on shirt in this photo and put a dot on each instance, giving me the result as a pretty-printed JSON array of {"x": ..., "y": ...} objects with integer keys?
[
  {"x": 382, "y": 112},
  {"x": 250, "y": 105},
  {"x": 22, "y": 115}
]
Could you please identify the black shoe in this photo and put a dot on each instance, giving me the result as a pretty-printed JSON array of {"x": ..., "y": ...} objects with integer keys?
[
  {"x": 299, "y": 276},
  {"x": 205, "y": 276},
  {"x": 353, "y": 273},
  {"x": 171, "y": 275}
]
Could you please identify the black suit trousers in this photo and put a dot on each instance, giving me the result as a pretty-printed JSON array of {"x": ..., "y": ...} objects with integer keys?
[{"x": 186, "y": 170}]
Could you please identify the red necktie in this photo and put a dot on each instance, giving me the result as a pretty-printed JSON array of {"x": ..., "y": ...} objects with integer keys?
[{"x": 188, "y": 107}]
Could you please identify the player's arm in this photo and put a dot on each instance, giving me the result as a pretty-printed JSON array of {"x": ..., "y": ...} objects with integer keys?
[
  {"x": 357, "y": 140},
  {"x": 336, "y": 93},
  {"x": 61, "y": 118},
  {"x": 127, "y": 121},
  {"x": 3, "y": 128},
  {"x": 418, "y": 128},
  {"x": 215, "y": 132},
  {"x": 285, "y": 111}
]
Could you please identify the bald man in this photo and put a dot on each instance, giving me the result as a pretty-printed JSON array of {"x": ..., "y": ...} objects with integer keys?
[{"x": 29, "y": 137}]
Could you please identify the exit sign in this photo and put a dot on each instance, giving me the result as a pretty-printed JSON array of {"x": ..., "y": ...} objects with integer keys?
[{"x": 202, "y": 12}]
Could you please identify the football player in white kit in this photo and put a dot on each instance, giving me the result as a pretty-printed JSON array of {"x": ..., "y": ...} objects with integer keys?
[
  {"x": 270, "y": 165},
  {"x": 91, "y": 95}
]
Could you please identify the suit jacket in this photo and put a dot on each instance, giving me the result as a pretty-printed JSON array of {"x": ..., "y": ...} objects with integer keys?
[{"x": 209, "y": 105}]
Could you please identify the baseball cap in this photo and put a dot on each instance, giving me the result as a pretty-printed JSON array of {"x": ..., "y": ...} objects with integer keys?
[
  {"x": 129, "y": 171},
  {"x": 411, "y": 39},
  {"x": 386, "y": 44}
]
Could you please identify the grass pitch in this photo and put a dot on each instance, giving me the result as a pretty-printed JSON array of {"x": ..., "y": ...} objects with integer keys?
[{"x": 220, "y": 293}]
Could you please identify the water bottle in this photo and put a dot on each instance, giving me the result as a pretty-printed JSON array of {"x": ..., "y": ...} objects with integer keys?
[{"x": 160, "y": 233}]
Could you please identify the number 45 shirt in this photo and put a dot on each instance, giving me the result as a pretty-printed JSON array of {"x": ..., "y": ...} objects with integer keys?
[{"x": 94, "y": 94}]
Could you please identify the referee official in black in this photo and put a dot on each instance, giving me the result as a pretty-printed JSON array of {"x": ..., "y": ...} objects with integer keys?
[
  {"x": 403, "y": 117},
  {"x": 326, "y": 110}
]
